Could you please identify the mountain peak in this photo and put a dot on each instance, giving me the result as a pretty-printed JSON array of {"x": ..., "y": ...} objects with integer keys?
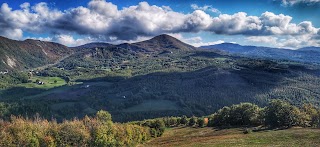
[
  {"x": 163, "y": 36},
  {"x": 94, "y": 45},
  {"x": 164, "y": 42}
]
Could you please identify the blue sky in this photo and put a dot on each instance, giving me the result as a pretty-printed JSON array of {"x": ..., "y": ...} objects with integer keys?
[{"x": 274, "y": 23}]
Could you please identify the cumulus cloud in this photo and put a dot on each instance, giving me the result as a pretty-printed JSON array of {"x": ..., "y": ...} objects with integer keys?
[
  {"x": 291, "y": 42},
  {"x": 294, "y": 2},
  {"x": 198, "y": 44},
  {"x": 198, "y": 41},
  {"x": 34, "y": 19},
  {"x": 195, "y": 41},
  {"x": 263, "y": 39},
  {"x": 267, "y": 24},
  {"x": 205, "y": 8},
  {"x": 69, "y": 40},
  {"x": 104, "y": 21},
  {"x": 65, "y": 39}
]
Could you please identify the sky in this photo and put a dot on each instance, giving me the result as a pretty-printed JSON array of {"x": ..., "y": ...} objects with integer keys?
[{"x": 288, "y": 24}]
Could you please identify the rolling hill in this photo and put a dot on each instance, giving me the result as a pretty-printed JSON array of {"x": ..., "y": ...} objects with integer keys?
[{"x": 29, "y": 53}]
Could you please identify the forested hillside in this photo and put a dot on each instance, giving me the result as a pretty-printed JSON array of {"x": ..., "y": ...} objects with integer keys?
[
  {"x": 29, "y": 53},
  {"x": 168, "y": 79}
]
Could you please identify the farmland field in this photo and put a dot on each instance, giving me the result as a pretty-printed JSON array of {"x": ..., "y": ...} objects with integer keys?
[{"x": 49, "y": 82}]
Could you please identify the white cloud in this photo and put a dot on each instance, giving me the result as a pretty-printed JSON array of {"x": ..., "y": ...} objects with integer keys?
[
  {"x": 294, "y": 2},
  {"x": 238, "y": 23},
  {"x": 205, "y": 8},
  {"x": 263, "y": 39},
  {"x": 68, "y": 40},
  {"x": 33, "y": 20},
  {"x": 104, "y": 21},
  {"x": 280, "y": 25},
  {"x": 267, "y": 24},
  {"x": 198, "y": 44},
  {"x": 291, "y": 42},
  {"x": 196, "y": 21},
  {"x": 195, "y": 41}
]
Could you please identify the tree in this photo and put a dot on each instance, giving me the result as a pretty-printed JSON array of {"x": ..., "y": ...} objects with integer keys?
[
  {"x": 310, "y": 115},
  {"x": 244, "y": 114},
  {"x": 211, "y": 122},
  {"x": 157, "y": 127},
  {"x": 103, "y": 116},
  {"x": 173, "y": 121},
  {"x": 103, "y": 135},
  {"x": 222, "y": 117},
  {"x": 184, "y": 120},
  {"x": 192, "y": 121},
  {"x": 281, "y": 114},
  {"x": 67, "y": 79},
  {"x": 200, "y": 122}
]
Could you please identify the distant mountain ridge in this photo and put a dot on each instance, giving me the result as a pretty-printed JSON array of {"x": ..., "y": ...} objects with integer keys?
[
  {"x": 29, "y": 53},
  {"x": 35, "y": 53},
  {"x": 306, "y": 54},
  {"x": 311, "y": 48},
  {"x": 157, "y": 43},
  {"x": 93, "y": 45}
]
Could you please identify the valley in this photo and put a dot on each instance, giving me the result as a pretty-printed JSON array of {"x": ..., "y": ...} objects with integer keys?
[
  {"x": 116, "y": 73},
  {"x": 136, "y": 82}
]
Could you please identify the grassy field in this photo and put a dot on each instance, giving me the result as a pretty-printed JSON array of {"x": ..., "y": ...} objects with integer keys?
[
  {"x": 197, "y": 137},
  {"x": 49, "y": 82}
]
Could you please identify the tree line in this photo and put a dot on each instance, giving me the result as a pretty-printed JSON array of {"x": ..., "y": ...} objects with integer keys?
[
  {"x": 101, "y": 131},
  {"x": 90, "y": 131},
  {"x": 277, "y": 114}
]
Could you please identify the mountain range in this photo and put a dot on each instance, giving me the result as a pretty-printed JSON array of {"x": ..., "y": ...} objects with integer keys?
[
  {"x": 158, "y": 77},
  {"x": 34, "y": 53},
  {"x": 306, "y": 54}
]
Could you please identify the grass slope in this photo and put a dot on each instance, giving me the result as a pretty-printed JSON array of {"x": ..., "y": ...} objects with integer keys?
[
  {"x": 186, "y": 136},
  {"x": 49, "y": 82}
]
